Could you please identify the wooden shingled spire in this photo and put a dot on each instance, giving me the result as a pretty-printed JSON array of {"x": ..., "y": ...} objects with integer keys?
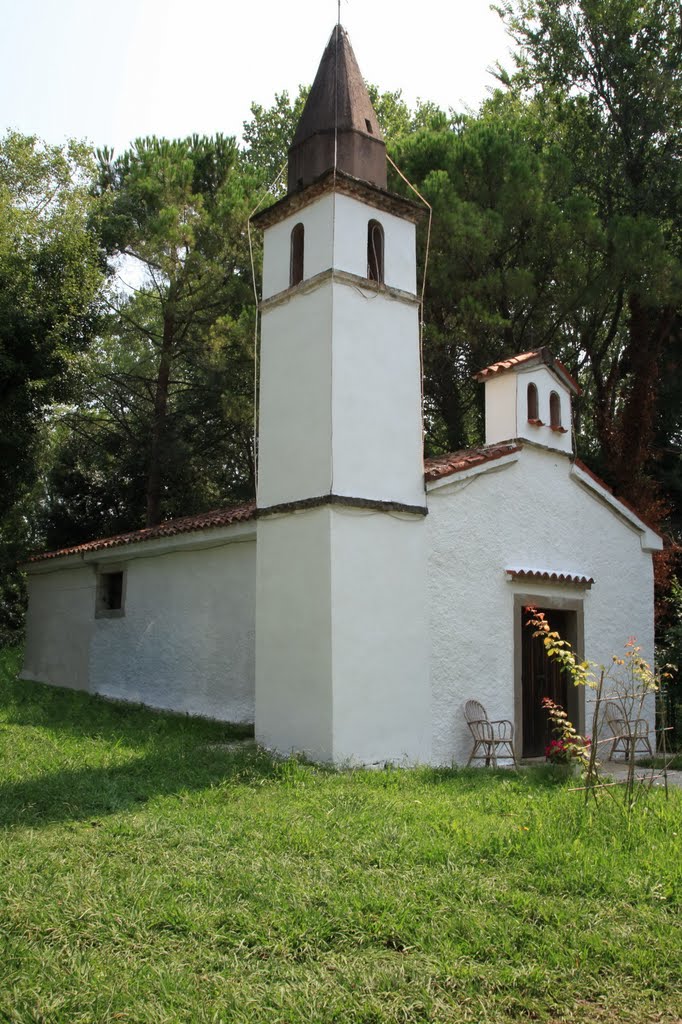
[{"x": 338, "y": 126}]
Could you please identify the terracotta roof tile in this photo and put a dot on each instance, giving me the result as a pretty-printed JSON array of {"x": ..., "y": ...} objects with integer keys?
[
  {"x": 467, "y": 458},
  {"x": 434, "y": 469},
  {"x": 171, "y": 528},
  {"x": 550, "y": 577},
  {"x": 444, "y": 465},
  {"x": 539, "y": 355},
  {"x": 507, "y": 364}
]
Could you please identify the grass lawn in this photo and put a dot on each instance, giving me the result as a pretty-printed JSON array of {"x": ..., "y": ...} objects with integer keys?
[
  {"x": 149, "y": 873},
  {"x": 672, "y": 761}
]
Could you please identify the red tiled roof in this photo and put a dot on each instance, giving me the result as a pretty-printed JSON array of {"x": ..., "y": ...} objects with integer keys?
[
  {"x": 540, "y": 355},
  {"x": 467, "y": 458},
  {"x": 506, "y": 364},
  {"x": 434, "y": 469},
  {"x": 550, "y": 577},
  {"x": 171, "y": 528}
]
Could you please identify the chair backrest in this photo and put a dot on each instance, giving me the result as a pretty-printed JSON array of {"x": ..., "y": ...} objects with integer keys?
[
  {"x": 614, "y": 712},
  {"x": 619, "y": 720},
  {"x": 475, "y": 712}
]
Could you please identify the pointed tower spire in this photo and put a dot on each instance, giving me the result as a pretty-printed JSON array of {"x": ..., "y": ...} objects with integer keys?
[{"x": 338, "y": 120}]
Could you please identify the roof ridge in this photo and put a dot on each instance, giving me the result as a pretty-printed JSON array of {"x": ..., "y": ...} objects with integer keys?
[{"x": 168, "y": 528}]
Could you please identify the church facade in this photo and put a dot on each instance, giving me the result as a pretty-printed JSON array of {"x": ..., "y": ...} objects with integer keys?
[{"x": 366, "y": 595}]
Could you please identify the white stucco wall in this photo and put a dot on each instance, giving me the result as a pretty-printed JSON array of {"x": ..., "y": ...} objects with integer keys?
[
  {"x": 506, "y": 408},
  {"x": 293, "y": 633},
  {"x": 529, "y": 514},
  {"x": 340, "y": 399},
  {"x": 341, "y": 640},
  {"x": 501, "y": 420},
  {"x": 185, "y": 641},
  {"x": 545, "y": 382},
  {"x": 294, "y": 435},
  {"x": 382, "y": 698},
  {"x": 59, "y": 626},
  {"x": 376, "y": 394},
  {"x": 335, "y": 229}
]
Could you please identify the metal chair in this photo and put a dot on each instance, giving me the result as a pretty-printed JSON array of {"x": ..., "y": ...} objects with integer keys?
[
  {"x": 628, "y": 734},
  {"x": 489, "y": 737}
]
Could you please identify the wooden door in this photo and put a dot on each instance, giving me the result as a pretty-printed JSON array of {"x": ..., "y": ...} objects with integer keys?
[{"x": 541, "y": 677}]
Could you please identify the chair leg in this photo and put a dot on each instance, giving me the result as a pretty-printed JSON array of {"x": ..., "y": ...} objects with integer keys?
[{"x": 473, "y": 756}]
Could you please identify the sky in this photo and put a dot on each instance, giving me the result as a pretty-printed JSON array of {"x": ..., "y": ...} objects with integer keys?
[{"x": 111, "y": 71}]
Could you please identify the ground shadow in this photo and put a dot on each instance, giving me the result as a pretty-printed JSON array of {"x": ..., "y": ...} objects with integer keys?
[
  {"x": 91, "y": 792},
  {"x": 82, "y": 714}
]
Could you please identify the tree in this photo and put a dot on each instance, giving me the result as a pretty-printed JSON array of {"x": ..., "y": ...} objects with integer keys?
[
  {"x": 49, "y": 275},
  {"x": 508, "y": 255},
  {"x": 268, "y": 135},
  {"x": 610, "y": 73},
  {"x": 173, "y": 222}
]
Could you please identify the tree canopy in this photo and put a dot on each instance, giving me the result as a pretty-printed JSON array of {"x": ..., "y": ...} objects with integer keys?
[{"x": 127, "y": 312}]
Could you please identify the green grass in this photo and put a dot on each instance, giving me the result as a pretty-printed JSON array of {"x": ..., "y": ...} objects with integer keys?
[
  {"x": 672, "y": 761},
  {"x": 149, "y": 873}
]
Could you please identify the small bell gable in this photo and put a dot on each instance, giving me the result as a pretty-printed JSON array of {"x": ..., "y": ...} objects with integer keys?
[{"x": 529, "y": 396}]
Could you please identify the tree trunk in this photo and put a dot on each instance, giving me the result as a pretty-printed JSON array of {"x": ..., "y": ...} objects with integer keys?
[
  {"x": 156, "y": 451},
  {"x": 649, "y": 332}
]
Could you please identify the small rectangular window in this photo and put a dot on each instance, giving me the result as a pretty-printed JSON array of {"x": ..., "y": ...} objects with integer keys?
[{"x": 110, "y": 593}]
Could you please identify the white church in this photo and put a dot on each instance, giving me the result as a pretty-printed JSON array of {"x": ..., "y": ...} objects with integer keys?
[{"x": 366, "y": 595}]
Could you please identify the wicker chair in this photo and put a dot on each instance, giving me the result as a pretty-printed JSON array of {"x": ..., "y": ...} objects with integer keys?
[
  {"x": 628, "y": 734},
  {"x": 490, "y": 738}
]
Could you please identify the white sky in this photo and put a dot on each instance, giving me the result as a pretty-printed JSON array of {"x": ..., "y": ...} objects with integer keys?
[{"x": 112, "y": 71}]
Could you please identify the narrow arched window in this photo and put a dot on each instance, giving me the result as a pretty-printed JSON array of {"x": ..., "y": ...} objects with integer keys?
[
  {"x": 375, "y": 252},
  {"x": 554, "y": 411},
  {"x": 296, "y": 258},
  {"x": 533, "y": 403}
]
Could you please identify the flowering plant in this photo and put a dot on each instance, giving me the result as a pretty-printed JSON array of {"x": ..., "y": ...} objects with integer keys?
[
  {"x": 569, "y": 746},
  {"x": 561, "y": 752}
]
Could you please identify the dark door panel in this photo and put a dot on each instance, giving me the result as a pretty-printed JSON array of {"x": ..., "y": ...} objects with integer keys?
[{"x": 541, "y": 677}]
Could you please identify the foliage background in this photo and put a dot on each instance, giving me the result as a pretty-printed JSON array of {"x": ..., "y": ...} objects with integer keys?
[{"x": 127, "y": 311}]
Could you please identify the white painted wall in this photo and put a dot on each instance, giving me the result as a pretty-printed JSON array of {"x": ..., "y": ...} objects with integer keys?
[
  {"x": 506, "y": 408},
  {"x": 294, "y": 633},
  {"x": 376, "y": 394},
  {"x": 501, "y": 420},
  {"x": 530, "y": 514},
  {"x": 340, "y": 400},
  {"x": 185, "y": 642},
  {"x": 350, "y": 243},
  {"x": 341, "y": 636},
  {"x": 317, "y": 220},
  {"x": 59, "y": 626},
  {"x": 545, "y": 382},
  {"x": 336, "y": 236},
  {"x": 381, "y": 698},
  {"x": 294, "y": 435}
]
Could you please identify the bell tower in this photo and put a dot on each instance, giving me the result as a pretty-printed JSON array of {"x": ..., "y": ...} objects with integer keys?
[{"x": 341, "y": 624}]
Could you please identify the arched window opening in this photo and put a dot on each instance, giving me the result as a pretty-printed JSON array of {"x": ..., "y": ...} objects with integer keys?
[
  {"x": 296, "y": 260},
  {"x": 375, "y": 252},
  {"x": 554, "y": 411},
  {"x": 533, "y": 416}
]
